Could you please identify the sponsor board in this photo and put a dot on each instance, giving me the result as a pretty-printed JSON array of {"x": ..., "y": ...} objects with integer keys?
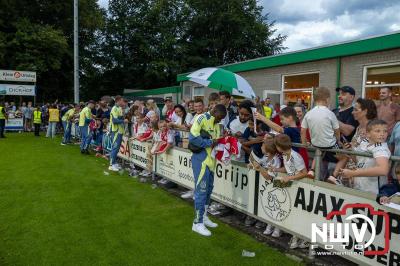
[
  {"x": 14, "y": 75},
  {"x": 13, "y": 89},
  {"x": 16, "y": 124}
]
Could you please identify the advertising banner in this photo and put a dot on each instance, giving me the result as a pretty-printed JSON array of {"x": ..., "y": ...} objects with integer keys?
[
  {"x": 138, "y": 152},
  {"x": 14, "y": 75},
  {"x": 14, "y": 124},
  {"x": 13, "y": 89}
]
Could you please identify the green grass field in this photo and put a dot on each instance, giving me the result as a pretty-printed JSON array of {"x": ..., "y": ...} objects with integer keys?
[{"x": 58, "y": 208}]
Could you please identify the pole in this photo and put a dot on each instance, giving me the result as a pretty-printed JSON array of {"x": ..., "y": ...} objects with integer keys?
[{"x": 76, "y": 54}]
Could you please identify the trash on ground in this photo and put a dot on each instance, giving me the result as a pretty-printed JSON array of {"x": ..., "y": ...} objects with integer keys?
[{"x": 249, "y": 254}]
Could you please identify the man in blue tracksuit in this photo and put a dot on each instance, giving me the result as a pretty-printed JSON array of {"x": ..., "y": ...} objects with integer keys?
[
  {"x": 117, "y": 129},
  {"x": 85, "y": 117},
  {"x": 203, "y": 135}
]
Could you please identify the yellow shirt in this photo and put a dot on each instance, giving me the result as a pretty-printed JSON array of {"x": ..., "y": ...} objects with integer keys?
[
  {"x": 86, "y": 113},
  {"x": 68, "y": 115},
  {"x": 54, "y": 115},
  {"x": 206, "y": 122},
  {"x": 267, "y": 111}
]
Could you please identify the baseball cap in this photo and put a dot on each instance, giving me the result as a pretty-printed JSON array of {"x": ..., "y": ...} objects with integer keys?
[
  {"x": 166, "y": 99},
  {"x": 347, "y": 89}
]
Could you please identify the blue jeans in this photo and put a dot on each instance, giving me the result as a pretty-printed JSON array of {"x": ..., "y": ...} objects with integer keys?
[
  {"x": 67, "y": 131},
  {"x": 51, "y": 129},
  {"x": 203, "y": 186},
  {"x": 86, "y": 137},
  {"x": 116, "y": 139}
]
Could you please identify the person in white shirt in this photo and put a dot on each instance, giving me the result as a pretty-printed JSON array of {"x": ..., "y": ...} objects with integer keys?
[
  {"x": 180, "y": 122},
  {"x": 294, "y": 168},
  {"x": 238, "y": 125},
  {"x": 324, "y": 129},
  {"x": 371, "y": 173}
]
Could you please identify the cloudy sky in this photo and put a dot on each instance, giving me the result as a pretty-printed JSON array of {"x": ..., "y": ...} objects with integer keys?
[{"x": 310, "y": 23}]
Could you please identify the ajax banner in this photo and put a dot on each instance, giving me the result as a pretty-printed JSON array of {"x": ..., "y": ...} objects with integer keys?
[
  {"x": 336, "y": 220},
  {"x": 124, "y": 150}
]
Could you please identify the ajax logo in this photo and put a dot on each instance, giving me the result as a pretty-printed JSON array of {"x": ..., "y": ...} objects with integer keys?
[
  {"x": 275, "y": 201},
  {"x": 340, "y": 235}
]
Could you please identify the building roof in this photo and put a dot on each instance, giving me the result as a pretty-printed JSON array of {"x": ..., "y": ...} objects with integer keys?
[{"x": 348, "y": 48}]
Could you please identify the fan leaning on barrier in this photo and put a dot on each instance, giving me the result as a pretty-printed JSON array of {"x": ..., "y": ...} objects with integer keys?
[{"x": 223, "y": 80}]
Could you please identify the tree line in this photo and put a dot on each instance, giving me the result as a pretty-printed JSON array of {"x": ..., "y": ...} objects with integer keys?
[{"x": 133, "y": 44}]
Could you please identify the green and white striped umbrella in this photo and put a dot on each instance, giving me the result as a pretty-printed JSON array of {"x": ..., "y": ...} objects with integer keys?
[{"x": 222, "y": 80}]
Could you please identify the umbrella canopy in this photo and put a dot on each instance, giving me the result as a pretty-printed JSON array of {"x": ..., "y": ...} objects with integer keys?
[{"x": 223, "y": 80}]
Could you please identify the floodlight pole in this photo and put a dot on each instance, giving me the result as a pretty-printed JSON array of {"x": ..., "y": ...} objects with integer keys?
[{"x": 76, "y": 54}]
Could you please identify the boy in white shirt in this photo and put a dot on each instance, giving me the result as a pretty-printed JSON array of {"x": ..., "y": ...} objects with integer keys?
[
  {"x": 324, "y": 128},
  {"x": 371, "y": 173},
  {"x": 295, "y": 169}
]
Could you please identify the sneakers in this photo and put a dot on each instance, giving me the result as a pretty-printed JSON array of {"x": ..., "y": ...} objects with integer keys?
[
  {"x": 187, "y": 194},
  {"x": 259, "y": 225},
  {"x": 293, "y": 242},
  {"x": 163, "y": 181},
  {"x": 249, "y": 221},
  {"x": 63, "y": 144},
  {"x": 201, "y": 229},
  {"x": 277, "y": 233},
  {"x": 145, "y": 173},
  {"x": 303, "y": 244},
  {"x": 207, "y": 222},
  {"x": 268, "y": 230},
  {"x": 113, "y": 168}
]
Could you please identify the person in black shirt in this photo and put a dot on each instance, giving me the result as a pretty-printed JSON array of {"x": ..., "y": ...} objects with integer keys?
[{"x": 347, "y": 123}]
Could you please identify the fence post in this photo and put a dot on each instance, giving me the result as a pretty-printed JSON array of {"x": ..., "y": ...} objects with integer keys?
[{"x": 317, "y": 168}]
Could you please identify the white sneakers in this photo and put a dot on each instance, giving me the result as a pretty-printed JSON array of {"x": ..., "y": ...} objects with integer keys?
[
  {"x": 295, "y": 242},
  {"x": 207, "y": 222},
  {"x": 187, "y": 194},
  {"x": 201, "y": 229},
  {"x": 272, "y": 230},
  {"x": 114, "y": 168}
]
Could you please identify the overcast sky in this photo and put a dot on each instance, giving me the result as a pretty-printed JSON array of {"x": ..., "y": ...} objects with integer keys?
[{"x": 310, "y": 23}]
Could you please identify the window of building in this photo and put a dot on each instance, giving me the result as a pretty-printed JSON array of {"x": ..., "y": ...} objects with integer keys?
[
  {"x": 299, "y": 88},
  {"x": 378, "y": 76},
  {"x": 198, "y": 92}
]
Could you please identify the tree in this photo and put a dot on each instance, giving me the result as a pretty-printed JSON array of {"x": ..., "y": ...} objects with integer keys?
[
  {"x": 223, "y": 32},
  {"x": 37, "y": 35}
]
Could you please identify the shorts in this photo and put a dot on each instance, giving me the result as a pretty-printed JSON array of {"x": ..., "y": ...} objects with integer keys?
[{"x": 329, "y": 156}]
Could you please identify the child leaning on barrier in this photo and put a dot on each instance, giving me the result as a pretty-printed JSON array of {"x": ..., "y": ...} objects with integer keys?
[
  {"x": 163, "y": 140},
  {"x": 294, "y": 168},
  {"x": 266, "y": 166},
  {"x": 152, "y": 133},
  {"x": 324, "y": 129},
  {"x": 371, "y": 173}
]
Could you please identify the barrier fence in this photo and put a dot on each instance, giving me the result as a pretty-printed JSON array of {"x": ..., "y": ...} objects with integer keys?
[{"x": 293, "y": 209}]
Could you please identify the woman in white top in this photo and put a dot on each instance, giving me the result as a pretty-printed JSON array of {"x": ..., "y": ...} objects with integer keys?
[{"x": 180, "y": 121}]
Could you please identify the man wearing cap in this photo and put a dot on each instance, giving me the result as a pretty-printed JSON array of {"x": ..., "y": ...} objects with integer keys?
[
  {"x": 347, "y": 123},
  {"x": 85, "y": 117}
]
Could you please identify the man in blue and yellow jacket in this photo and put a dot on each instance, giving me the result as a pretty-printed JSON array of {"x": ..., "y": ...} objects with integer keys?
[
  {"x": 203, "y": 135},
  {"x": 85, "y": 117},
  {"x": 117, "y": 129}
]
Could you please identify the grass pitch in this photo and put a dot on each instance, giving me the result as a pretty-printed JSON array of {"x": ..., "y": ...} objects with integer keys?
[{"x": 58, "y": 208}]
